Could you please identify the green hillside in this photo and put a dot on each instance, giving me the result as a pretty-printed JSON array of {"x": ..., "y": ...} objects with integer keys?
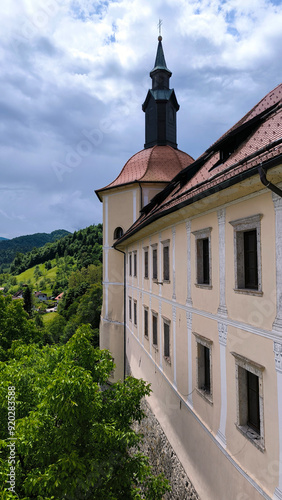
[{"x": 24, "y": 244}]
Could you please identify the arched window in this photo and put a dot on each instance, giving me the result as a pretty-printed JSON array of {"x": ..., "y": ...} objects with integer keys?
[{"x": 118, "y": 233}]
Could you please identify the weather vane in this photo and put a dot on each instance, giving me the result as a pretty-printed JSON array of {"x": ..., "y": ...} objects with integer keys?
[{"x": 160, "y": 28}]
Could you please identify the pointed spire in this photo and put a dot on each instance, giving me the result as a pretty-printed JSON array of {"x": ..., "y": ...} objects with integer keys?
[{"x": 160, "y": 63}]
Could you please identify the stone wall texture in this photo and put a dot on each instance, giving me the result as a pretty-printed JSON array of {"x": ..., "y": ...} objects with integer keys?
[{"x": 163, "y": 458}]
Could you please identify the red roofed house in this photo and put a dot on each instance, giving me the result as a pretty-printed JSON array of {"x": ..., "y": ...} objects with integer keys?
[{"x": 193, "y": 291}]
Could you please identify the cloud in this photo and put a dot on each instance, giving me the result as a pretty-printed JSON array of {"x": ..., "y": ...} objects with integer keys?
[{"x": 76, "y": 72}]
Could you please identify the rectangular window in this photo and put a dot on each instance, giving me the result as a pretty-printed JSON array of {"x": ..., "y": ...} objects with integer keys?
[
  {"x": 204, "y": 367},
  {"x": 155, "y": 329},
  {"x": 135, "y": 312},
  {"x": 135, "y": 264},
  {"x": 146, "y": 329},
  {"x": 203, "y": 256},
  {"x": 167, "y": 340},
  {"x": 146, "y": 264},
  {"x": 155, "y": 263},
  {"x": 249, "y": 399},
  {"x": 130, "y": 264},
  {"x": 166, "y": 262},
  {"x": 130, "y": 308},
  {"x": 247, "y": 258}
]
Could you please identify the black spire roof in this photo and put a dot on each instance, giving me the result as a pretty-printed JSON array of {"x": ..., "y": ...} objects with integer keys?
[{"x": 160, "y": 105}]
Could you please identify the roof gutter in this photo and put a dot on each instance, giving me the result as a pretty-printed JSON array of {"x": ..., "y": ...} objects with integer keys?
[{"x": 267, "y": 183}]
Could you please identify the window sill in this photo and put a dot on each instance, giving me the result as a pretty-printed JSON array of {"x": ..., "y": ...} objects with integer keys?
[
  {"x": 252, "y": 436},
  {"x": 146, "y": 337},
  {"x": 167, "y": 360},
  {"x": 202, "y": 285},
  {"x": 207, "y": 396},
  {"x": 166, "y": 281},
  {"x": 155, "y": 347},
  {"x": 248, "y": 291}
]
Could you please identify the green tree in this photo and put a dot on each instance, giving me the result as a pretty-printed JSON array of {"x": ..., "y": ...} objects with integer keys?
[
  {"x": 28, "y": 299},
  {"x": 73, "y": 440}
]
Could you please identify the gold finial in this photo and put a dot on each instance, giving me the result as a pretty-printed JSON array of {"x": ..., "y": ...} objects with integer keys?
[{"x": 160, "y": 30}]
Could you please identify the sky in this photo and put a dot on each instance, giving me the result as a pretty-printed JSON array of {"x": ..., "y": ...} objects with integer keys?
[{"x": 74, "y": 75}]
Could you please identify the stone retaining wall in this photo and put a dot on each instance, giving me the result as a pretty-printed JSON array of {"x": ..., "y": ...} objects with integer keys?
[{"x": 163, "y": 458}]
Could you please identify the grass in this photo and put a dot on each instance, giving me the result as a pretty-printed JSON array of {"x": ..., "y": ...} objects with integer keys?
[
  {"x": 28, "y": 277},
  {"x": 48, "y": 317}
]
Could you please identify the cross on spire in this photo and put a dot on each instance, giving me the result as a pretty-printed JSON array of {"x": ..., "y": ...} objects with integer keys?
[{"x": 160, "y": 28}]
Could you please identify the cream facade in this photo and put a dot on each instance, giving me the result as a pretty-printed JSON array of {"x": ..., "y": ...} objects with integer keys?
[{"x": 193, "y": 305}]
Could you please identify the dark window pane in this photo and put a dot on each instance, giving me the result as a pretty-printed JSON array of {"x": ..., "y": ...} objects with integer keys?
[
  {"x": 166, "y": 263},
  {"x": 207, "y": 384},
  {"x": 155, "y": 330},
  {"x": 253, "y": 401},
  {"x": 146, "y": 273},
  {"x": 206, "y": 261},
  {"x": 155, "y": 264},
  {"x": 250, "y": 259},
  {"x": 166, "y": 341},
  {"x": 146, "y": 322}
]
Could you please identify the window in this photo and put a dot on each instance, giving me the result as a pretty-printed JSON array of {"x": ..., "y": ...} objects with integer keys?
[
  {"x": 135, "y": 264},
  {"x": 146, "y": 329},
  {"x": 249, "y": 399},
  {"x": 135, "y": 312},
  {"x": 130, "y": 308},
  {"x": 203, "y": 257},
  {"x": 146, "y": 263},
  {"x": 204, "y": 367},
  {"x": 155, "y": 329},
  {"x": 166, "y": 261},
  {"x": 247, "y": 261},
  {"x": 167, "y": 340},
  {"x": 118, "y": 233},
  {"x": 130, "y": 264},
  {"x": 155, "y": 262}
]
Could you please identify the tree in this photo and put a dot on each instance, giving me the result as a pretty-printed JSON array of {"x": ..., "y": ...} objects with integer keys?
[
  {"x": 74, "y": 440},
  {"x": 27, "y": 297}
]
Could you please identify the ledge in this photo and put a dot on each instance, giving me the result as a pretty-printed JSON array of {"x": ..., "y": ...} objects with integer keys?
[
  {"x": 252, "y": 436},
  {"x": 248, "y": 291},
  {"x": 200, "y": 285}
]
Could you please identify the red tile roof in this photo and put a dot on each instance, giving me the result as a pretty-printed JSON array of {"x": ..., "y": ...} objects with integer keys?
[
  {"x": 156, "y": 164},
  {"x": 255, "y": 140}
]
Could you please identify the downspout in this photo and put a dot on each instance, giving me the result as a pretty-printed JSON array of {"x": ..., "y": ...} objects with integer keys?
[
  {"x": 124, "y": 311},
  {"x": 267, "y": 183}
]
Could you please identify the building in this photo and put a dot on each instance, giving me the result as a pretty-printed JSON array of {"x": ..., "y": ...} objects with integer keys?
[{"x": 193, "y": 291}]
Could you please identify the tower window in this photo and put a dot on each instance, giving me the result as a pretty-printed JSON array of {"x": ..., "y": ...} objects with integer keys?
[{"x": 118, "y": 233}]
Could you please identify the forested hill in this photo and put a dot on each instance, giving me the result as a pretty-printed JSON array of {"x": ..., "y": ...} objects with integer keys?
[
  {"x": 23, "y": 244},
  {"x": 84, "y": 245}
]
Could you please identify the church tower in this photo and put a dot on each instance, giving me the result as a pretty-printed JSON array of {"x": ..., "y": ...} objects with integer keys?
[{"x": 144, "y": 175}]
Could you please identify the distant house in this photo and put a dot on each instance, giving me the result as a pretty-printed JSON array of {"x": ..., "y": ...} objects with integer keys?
[
  {"x": 59, "y": 296},
  {"x": 18, "y": 295},
  {"x": 40, "y": 295}
]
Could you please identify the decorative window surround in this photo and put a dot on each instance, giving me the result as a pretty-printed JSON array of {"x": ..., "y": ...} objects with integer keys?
[
  {"x": 154, "y": 262},
  {"x": 200, "y": 236},
  {"x": 277, "y": 348},
  {"x": 222, "y": 310},
  {"x": 135, "y": 312},
  {"x": 167, "y": 339},
  {"x": 146, "y": 262},
  {"x": 166, "y": 261},
  {"x": 277, "y": 201},
  {"x": 240, "y": 226},
  {"x": 155, "y": 329},
  {"x": 135, "y": 263},
  {"x": 222, "y": 337},
  {"x": 203, "y": 342},
  {"x": 146, "y": 323},
  {"x": 188, "y": 237},
  {"x": 243, "y": 365}
]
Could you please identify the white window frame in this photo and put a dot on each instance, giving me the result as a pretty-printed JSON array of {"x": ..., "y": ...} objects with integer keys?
[
  {"x": 202, "y": 234},
  {"x": 167, "y": 322},
  {"x": 166, "y": 244},
  {"x": 240, "y": 226},
  {"x": 242, "y": 365},
  {"x": 203, "y": 342}
]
